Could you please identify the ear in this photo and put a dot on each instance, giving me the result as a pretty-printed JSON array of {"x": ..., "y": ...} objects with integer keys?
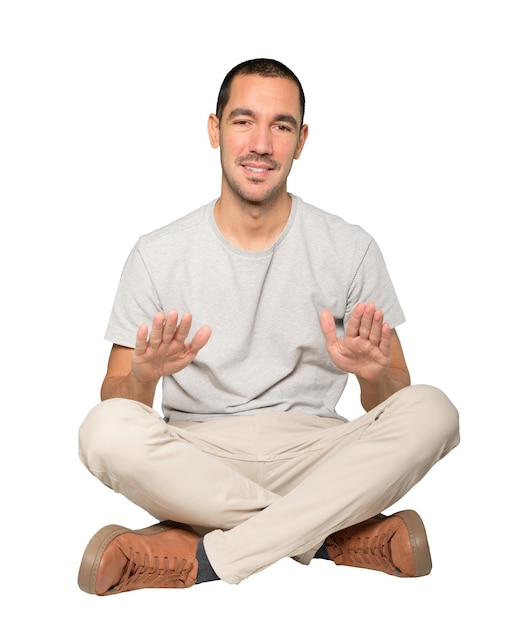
[
  {"x": 302, "y": 140},
  {"x": 213, "y": 130}
]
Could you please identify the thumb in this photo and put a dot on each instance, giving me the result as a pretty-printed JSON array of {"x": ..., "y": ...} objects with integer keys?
[
  {"x": 200, "y": 339},
  {"x": 328, "y": 326}
]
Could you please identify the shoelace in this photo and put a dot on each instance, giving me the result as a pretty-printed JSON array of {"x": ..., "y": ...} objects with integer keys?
[
  {"x": 157, "y": 572},
  {"x": 362, "y": 550}
]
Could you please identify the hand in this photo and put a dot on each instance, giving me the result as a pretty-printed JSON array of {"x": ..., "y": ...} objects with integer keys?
[
  {"x": 166, "y": 352},
  {"x": 364, "y": 350}
]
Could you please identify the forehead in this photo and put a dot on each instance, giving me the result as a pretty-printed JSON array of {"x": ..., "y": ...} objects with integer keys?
[{"x": 264, "y": 95}]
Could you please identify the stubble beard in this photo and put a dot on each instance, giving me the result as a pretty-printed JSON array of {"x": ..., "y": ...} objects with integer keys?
[{"x": 255, "y": 200}]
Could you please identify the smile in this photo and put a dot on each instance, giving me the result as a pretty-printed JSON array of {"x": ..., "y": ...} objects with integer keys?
[{"x": 258, "y": 170}]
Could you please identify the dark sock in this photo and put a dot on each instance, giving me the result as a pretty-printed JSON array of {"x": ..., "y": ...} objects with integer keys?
[
  {"x": 322, "y": 553},
  {"x": 205, "y": 572}
]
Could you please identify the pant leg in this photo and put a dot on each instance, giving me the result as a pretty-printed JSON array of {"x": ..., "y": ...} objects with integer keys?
[
  {"x": 161, "y": 468},
  {"x": 350, "y": 480}
]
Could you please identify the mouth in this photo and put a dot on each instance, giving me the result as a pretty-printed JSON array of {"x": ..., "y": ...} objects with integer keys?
[
  {"x": 257, "y": 170},
  {"x": 256, "y": 173}
]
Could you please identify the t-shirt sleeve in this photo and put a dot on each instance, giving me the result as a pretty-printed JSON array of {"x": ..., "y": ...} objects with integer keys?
[
  {"x": 372, "y": 283},
  {"x": 136, "y": 301}
]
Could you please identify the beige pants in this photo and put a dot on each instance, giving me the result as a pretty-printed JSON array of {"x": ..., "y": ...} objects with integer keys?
[{"x": 269, "y": 485}]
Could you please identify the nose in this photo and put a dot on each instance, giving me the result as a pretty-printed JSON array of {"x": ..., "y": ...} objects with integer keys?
[{"x": 261, "y": 140}]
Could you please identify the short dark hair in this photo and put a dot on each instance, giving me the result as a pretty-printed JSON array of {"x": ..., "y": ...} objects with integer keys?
[{"x": 261, "y": 67}]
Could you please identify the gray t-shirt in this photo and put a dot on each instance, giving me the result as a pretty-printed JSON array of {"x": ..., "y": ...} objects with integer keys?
[{"x": 267, "y": 351}]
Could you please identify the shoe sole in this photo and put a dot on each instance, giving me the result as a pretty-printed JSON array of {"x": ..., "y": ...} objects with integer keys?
[
  {"x": 87, "y": 574},
  {"x": 418, "y": 542}
]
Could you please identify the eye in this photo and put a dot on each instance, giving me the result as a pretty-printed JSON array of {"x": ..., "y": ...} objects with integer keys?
[{"x": 283, "y": 128}]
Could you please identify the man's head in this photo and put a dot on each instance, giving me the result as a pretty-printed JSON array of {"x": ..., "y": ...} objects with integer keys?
[
  {"x": 259, "y": 129},
  {"x": 268, "y": 68}
]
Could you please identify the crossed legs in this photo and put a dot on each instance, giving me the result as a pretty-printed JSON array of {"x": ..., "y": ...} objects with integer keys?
[{"x": 269, "y": 485}]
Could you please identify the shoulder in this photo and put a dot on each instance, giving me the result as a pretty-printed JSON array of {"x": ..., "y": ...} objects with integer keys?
[
  {"x": 176, "y": 230},
  {"x": 182, "y": 238},
  {"x": 330, "y": 227}
]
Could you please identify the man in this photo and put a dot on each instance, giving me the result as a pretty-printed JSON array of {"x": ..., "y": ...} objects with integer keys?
[{"x": 250, "y": 462}]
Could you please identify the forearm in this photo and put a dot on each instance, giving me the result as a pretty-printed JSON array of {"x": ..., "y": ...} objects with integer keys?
[
  {"x": 375, "y": 392},
  {"x": 128, "y": 387}
]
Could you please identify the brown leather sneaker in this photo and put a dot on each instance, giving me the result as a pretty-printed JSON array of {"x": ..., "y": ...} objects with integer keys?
[
  {"x": 118, "y": 559},
  {"x": 395, "y": 545}
]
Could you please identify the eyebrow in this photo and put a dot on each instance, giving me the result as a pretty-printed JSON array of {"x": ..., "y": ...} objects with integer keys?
[{"x": 282, "y": 117}]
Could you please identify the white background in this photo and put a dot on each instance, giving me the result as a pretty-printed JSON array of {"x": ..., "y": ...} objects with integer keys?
[{"x": 416, "y": 114}]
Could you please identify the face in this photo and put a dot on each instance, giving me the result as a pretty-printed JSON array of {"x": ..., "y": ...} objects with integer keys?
[{"x": 259, "y": 137}]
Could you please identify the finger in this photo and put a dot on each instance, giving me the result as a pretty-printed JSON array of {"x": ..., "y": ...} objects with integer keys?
[
  {"x": 328, "y": 327},
  {"x": 141, "y": 339},
  {"x": 386, "y": 339},
  {"x": 367, "y": 320},
  {"x": 200, "y": 339},
  {"x": 170, "y": 326},
  {"x": 183, "y": 329},
  {"x": 157, "y": 328},
  {"x": 376, "y": 329},
  {"x": 354, "y": 321}
]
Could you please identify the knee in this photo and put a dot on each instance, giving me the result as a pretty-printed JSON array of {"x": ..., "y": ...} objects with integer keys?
[
  {"x": 106, "y": 430},
  {"x": 436, "y": 417},
  {"x": 98, "y": 430}
]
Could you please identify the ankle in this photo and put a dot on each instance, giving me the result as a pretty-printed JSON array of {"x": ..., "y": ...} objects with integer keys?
[
  {"x": 205, "y": 571},
  {"x": 322, "y": 553}
]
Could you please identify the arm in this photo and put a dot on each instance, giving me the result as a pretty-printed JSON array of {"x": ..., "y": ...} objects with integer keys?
[
  {"x": 371, "y": 350},
  {"x": 135, "y": 373}
]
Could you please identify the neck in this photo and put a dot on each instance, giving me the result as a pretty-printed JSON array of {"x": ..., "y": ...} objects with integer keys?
[{"x": 252, "y": 226}]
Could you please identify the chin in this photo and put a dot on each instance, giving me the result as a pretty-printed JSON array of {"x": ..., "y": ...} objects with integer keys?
[{"x": 261, "y": 196}]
